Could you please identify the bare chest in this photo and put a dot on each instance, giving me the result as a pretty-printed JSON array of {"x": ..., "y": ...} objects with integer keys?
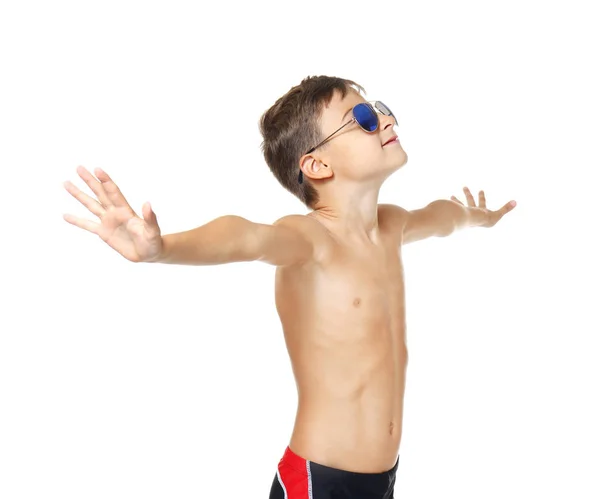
[
  {"x": 357, "y": 295},
  {"x": 366, "y": 291}
]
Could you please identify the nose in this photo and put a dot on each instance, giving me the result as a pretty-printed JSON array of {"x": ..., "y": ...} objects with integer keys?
[{"x": 386, "y": 121}]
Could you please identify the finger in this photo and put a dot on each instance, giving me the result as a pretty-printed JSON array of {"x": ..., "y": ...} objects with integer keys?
[
  {"x": 94, "y": 185},
  {"x": 82, "y": 223},
  {"x": 149, "y": 215},
  {"x": 111, "y": 189},
  {"x": 506, "y": 208},
  {"x": 470, "y": 200},
  {"x": 456, "y": 199},
  {"x": 89, "y": 202},
  {"x": 481, "y": 199}
]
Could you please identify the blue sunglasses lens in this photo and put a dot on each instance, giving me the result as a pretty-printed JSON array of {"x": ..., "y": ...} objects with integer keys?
[{"x": 366, "y": 117}]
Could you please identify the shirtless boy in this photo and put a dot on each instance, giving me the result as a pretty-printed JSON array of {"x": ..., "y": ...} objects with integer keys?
[{"x": 339, "y": 281}]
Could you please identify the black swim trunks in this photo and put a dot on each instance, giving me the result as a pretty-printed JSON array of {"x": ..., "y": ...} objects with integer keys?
[{"x": 298, "y": 478}]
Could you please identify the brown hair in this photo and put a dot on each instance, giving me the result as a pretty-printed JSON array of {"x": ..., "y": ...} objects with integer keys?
[{"x": 291, "y": 127}]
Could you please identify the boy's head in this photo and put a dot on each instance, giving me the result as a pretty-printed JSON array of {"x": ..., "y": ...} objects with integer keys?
[{"x": 305, "y": 116}]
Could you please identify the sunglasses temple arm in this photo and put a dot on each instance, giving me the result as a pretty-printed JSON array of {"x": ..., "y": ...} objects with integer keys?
[
  {"x": 326, "y": 139},
  {"x": 300, "y": 176}
]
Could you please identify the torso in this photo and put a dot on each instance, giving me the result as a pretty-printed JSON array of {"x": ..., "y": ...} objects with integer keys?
[{"x": 345, "y": 331}]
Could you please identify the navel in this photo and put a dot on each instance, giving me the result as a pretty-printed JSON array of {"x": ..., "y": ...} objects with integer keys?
[{"x": 356, "y": 302}]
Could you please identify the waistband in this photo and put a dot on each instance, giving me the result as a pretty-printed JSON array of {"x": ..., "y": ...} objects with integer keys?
[{"x": 300, "y": 464}]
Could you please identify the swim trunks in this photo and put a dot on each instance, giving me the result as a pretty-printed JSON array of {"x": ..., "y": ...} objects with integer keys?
[{"x": 298, "y": 478}]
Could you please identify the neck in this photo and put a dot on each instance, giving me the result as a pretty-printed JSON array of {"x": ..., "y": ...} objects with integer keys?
[{"x": 351, "y": 214}]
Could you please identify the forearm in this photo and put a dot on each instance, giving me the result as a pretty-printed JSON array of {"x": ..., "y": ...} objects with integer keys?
[
  {"x": 226, "y": 239},
  {"x": 453, "y": 216}
]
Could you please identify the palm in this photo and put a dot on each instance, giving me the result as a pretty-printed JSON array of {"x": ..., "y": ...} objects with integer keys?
[
  {"x": 137, "y": 239},
  {"x": 128, "y": 234},
  {"x": 492, "y": 216}
]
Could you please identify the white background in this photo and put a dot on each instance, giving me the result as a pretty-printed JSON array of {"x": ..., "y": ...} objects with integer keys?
[{"x": 131, "y": 381}]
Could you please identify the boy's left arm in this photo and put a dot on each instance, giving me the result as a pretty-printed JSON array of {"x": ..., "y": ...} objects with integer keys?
[{"x": 442, "y": 217}]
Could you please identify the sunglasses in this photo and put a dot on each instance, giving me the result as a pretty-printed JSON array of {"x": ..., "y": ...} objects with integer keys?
[{"x": 364, "y": 114}]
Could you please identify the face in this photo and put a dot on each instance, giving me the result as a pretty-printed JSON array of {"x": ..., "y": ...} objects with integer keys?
[{"x": 353, "y": 154}]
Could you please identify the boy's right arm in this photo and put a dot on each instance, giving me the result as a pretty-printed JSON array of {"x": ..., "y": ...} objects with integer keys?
[
  {"x": 232, "y": 238},
  {"x": 290, "y": 240}
]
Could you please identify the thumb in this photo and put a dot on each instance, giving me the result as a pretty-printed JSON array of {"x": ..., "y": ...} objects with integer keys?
[{"x": 148, "y": 214}]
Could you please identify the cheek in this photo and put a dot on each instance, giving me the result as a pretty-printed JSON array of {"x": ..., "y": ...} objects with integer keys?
[
  {"x": 366, "y": 146},
  {"x": 360, "y": 151}
]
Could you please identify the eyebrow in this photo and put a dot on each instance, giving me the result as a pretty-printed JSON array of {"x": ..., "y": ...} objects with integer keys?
[{"x": 346, "y": 113}]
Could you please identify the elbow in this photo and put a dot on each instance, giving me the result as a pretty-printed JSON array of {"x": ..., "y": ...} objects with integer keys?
[
  {"x": 447, "y": 215},
  {"x": 241, "y": 239},
  {"x": 446, "y": 230}
]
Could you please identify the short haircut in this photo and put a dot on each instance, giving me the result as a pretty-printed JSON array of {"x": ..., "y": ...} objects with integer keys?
[{"x": 291, "y": 127}]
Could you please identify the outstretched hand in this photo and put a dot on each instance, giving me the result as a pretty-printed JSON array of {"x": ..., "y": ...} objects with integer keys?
[
  {"x": 136, "y": 239},
  {"x": 492, "y": 217}
]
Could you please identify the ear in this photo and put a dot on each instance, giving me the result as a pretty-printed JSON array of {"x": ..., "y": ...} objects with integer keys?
[{"x": 314, "y": 168}]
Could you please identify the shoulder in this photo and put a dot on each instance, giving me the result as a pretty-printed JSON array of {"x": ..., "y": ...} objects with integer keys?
[
  {"x": 312, "y": 231},
  {"x": 391, "y": 212},
  {"x": 392, "y": 218}
]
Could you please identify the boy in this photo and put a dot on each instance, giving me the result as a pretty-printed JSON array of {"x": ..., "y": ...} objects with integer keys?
[{"x": 339, "y": 279}]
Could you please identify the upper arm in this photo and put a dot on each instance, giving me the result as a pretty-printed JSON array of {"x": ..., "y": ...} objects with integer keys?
[
  {"x": 288, "y": 241},
  {"x": 418, "y": 224}
]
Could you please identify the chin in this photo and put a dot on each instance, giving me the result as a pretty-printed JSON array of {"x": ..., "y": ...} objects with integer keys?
[
  {"x": 401, "y": 162},
  {"x": 405, "y": 160}
]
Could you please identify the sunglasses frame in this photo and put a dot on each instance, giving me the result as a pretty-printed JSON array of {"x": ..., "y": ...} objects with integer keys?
[{"x": 374, "y": 109}]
